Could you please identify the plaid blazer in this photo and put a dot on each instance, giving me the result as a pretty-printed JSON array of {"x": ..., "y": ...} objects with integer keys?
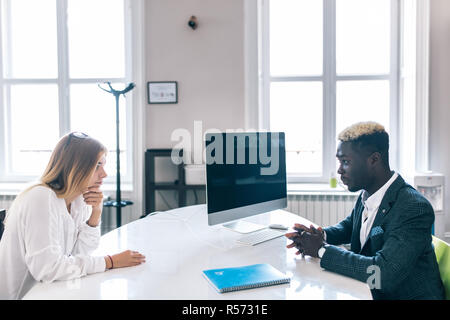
[{"x": 397, "y": 261}]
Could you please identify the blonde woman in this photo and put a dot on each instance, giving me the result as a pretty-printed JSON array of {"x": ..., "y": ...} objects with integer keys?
[{"x": 52, "y": 227}]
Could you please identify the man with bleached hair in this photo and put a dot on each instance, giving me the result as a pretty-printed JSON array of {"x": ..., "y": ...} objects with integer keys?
[{"x": 389, "y": 228}]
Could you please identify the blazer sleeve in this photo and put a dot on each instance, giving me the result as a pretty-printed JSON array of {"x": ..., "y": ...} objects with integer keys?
[
  {"x": 402, "y": 247},
  {"x": 341, "y": 233},
  {"x": 44, "y": 255}
]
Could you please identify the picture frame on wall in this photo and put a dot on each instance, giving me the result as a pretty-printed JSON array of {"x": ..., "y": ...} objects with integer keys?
[{"x": 162, "y": 92}]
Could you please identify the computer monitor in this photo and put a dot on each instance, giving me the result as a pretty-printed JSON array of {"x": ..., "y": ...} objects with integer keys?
[{"x": 245, "y": 176}]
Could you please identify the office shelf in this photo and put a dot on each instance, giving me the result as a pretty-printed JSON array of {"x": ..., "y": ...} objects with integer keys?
[{"x": 151, "y": 186}]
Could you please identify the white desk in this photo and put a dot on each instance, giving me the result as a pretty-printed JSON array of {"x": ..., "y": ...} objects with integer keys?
[{"x": 178, "y": 245}]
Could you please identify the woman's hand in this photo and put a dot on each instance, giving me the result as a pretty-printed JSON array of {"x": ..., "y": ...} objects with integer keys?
[
  {"x": 94, "y": 197},
  {"x": 126, "y": 258}
]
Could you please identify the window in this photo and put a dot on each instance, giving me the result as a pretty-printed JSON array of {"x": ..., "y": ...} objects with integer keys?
[
  {"x": 54, "y": 53},
  {"x": 327, "y": 64}
]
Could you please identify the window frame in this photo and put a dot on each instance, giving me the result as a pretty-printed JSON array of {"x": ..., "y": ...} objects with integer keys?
[
  {"x": 63, "y": 83},
  {"x": 329, "y": 79}
]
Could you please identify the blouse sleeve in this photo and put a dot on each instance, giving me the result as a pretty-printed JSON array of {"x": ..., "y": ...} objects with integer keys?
[
  {"x": 88, "y": 238},
  {"x": 44, "y": 255}
]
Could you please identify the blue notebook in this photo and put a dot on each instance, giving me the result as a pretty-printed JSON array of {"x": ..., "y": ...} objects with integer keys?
[{"x": 246, "y": 277}]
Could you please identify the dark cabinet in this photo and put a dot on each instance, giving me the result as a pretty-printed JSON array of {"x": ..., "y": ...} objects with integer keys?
[{"x": 152, "y": 186}]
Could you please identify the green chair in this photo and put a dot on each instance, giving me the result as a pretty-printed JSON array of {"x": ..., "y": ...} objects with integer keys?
[{"x": 442, "y": 250}]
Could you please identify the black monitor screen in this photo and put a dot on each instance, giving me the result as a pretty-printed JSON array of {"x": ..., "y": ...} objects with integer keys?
[{"x": 244, "y": 169}]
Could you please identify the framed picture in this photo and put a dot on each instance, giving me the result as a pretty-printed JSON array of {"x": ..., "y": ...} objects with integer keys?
[{"x": 162, "y": 92}]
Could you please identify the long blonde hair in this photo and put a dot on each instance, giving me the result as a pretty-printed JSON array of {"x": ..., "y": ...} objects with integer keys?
[
  {"x": 72, "y": 163},
  {"x": 70, "y": 167}
]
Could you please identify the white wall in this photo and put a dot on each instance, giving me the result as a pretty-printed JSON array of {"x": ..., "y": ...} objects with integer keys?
[
  {"x": 440, "y": 94},
  {"x": 208, "y": 64}
]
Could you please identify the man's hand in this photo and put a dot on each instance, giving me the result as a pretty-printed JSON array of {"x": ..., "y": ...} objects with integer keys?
[
  {"x": 295, "y": 237},
  {"x": 308, "y": 241}
]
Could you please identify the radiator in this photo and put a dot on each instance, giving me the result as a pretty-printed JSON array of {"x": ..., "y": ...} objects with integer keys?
[
  {"x": 109, "y": 221},
  {"x": 6, "y": 201},
  {"x": 322, "y": 209}
]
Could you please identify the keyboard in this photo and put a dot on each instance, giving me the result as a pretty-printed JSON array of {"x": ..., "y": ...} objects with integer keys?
[{"x": 260, "y": 236}]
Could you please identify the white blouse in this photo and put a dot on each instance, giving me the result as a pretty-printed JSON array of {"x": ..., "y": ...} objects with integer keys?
[{"x": 42, "y": 241}]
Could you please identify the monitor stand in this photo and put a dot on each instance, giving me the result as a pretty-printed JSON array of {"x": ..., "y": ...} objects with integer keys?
[{"x": 244, "y": 226}]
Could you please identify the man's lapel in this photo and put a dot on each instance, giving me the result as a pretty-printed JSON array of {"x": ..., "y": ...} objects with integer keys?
[
  {"x": 356, "y": 243},
  {"x": 386, "y": 204}
]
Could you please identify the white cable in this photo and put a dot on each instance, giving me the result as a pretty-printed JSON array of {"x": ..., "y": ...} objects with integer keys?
[{"x": 186, "y": 222}]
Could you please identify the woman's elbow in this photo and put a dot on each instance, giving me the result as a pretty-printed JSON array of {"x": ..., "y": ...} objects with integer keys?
[{"x": 50, "y": 271}]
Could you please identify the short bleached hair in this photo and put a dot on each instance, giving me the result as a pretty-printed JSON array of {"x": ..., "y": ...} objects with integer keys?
[
  {"x": 367, "y": 138},
  {"x": 357, "y": 130}
]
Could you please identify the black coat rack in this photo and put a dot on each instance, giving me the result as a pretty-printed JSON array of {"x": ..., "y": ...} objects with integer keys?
[{"x": 118, "y": 203}]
